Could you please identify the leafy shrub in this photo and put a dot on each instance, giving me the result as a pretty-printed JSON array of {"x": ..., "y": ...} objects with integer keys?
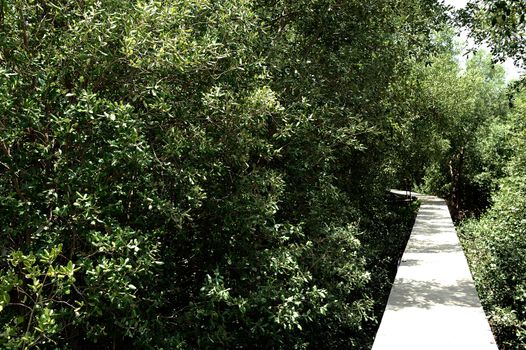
[
  {"x": 496, "y": 244},
  {"x": 496, "y": 249}
]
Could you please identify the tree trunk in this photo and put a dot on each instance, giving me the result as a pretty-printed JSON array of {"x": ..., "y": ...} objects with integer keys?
[{"x": 456, "y": 165}]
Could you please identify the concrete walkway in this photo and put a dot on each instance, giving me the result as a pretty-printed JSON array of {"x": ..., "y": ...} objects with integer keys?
[{"x": 433, "y": 302}]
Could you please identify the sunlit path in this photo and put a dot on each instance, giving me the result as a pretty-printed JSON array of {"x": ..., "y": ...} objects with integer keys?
[{"x": 433, "y": 302}]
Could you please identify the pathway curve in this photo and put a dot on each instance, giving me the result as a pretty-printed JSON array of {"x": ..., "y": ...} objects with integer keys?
[{"x": 433, "y": 302}]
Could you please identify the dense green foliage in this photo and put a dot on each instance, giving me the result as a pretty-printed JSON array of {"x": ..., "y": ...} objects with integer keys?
[
  {"x": 200, "y": 174},
  {"x": 449, "y": 112},
  {"x": 496, "y": 244},
  {"x": 466, "y": 105},
  {"x": 212, "y": 173}
]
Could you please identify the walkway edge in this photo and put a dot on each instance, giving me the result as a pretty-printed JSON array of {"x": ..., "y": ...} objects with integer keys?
[{"x": 433, "y": 303}]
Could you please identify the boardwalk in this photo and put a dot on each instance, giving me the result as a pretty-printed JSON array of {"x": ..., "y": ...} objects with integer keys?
[{"x": 433, "y": 303}]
